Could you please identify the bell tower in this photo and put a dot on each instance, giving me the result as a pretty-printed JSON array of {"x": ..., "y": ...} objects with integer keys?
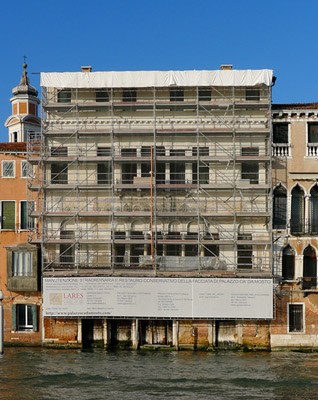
[{"x": 24, "y": 116}]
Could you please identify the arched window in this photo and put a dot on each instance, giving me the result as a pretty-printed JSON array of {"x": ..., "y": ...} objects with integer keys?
[
  {"x": 309, "y": 268},
  {"x": 288, "y": 267},
  {"x": 297, "y": 211},
  {"x": 280, "y": 208},
  {"x": 313, "y": 225}
]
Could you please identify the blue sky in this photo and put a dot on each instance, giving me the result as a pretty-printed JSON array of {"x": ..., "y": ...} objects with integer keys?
[{"x": 62, "y": 35}]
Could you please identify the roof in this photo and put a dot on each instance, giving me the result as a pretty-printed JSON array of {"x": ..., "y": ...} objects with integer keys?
[
  {"x": 24, "y": 86},
  {"x": 135, "y": 79},
  {"x": 13, "y": 147},
  {"x": 295, "y": 106}
]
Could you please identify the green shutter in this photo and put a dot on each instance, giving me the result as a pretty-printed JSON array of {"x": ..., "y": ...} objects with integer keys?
[
  {"x": 35, "y": 317},
  {"x": 14, "y": 317},
  {"x": 8, "y": 215}
]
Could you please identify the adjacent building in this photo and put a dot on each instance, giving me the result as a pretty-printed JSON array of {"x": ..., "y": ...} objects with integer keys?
[
  {"x": 295, "y": 219},
  {"x": 19, "y": 267},
  {"x": 153, "y": 207}
]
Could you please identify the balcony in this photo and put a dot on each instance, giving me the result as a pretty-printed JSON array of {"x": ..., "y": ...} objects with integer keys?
[
  {"x": 312, "y": 149},
  {"x": 281, "y": 149}
]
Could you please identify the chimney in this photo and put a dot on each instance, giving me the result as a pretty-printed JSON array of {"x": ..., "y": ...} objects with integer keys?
[
  {"x": 86, "y": 69},
  {"x": 226, "y": 67}
]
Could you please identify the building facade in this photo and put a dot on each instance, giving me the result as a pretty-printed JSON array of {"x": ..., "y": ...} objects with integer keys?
[
  {"x": 153, "y": 175},
  {"x": 295, "y": 177},
  {"x": 19, "y": 267}
]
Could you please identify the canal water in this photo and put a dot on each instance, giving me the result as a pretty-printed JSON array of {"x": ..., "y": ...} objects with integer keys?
[{"x": 34, "y": 373}]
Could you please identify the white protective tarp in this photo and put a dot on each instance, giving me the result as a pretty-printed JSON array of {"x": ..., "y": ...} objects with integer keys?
[{"x": 140, "y": 79}]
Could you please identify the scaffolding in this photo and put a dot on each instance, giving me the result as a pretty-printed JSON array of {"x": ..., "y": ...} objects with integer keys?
[{"x": 156, "y": 180}]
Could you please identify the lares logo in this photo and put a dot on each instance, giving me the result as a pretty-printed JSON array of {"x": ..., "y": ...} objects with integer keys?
[{"x": 73, "y": 295}]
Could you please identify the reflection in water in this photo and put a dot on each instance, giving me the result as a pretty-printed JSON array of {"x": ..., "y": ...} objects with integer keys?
[{"x": 27, "y": 373}]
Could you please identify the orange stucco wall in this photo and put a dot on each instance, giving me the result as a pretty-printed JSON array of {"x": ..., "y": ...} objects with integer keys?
[{"x": 15, "y": 189}]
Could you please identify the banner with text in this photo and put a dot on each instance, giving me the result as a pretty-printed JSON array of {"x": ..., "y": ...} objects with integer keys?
[{"x": 158, "y": 297}]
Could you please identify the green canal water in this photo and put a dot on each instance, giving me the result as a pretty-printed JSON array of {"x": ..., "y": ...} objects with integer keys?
[{"x": 34, "y": 373}]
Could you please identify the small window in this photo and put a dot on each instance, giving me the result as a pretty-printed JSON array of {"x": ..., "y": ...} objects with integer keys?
[
  {"x": 145, "y": 151},
  {"x": 160, "y": 151},
  {"x": 296, "y": 315},
  {"x": 129, "y": 95},
  {"x": 24, "y": 169},
  {"x": 203, "y": 151},
  {"x": 104, "y": 151},
  {"x": 14, "y": 136},
  {"x": 177, "y": 94},
  {"x": 64, "y": 96},
  {"x": 8, "y": 215},
  {"x": 102, "y": 96},
  {"x": 8, "y": 169},
  {"x": 26, "y": 208},
  {"x": 22, "y": 263},
  {"x": 204, "y": 94},
  {"x": 24, "y": 317},
  {"x": 280, "y": 133},
  {"x": 127, "y": 152},
  {"x": 252, "y": 94},
  {"x": 59, "y": 151}
]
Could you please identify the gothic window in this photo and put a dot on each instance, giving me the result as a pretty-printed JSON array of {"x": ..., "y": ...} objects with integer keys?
[
  {"x": 280, "y": 208},
  {"x": 313, "y": 225},
  {"x": 297, "y": 211},
  {"x": 309, "y": 268},
  {"x": 288, "y": 267}
]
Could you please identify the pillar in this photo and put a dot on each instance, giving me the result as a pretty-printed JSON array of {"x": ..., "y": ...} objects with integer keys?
[
  {"x": 210, "y": 332},
  {"x": 106, "y": 333},
  {"x": 135, "y": 333},
  {"x": 79, "y": 330},
  {"x": 175, "y": 334}
]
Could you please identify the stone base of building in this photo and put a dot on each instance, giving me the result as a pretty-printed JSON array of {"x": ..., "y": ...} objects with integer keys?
[{"x": 157, "y": 334}]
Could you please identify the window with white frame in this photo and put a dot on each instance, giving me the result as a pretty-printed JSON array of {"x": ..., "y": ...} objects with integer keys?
[
  {"x": 312, "y": 140},
  {"x": 24, "y": 169},
  {"x": 24, "y": 317},
  {"x": 26, "y": 208},
  {"x": 7, "y": 169},
  {"x": 295, "y": 317},
  {"x": 22, "y": 263}
]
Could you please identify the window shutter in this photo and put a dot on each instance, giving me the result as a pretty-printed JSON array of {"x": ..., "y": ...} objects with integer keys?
[
  {"x": 14, "y": 317},
  {"x": 35, "y": 317},
  {"x": 24, "y": 215},
  {"x": 8, "y": 215}
]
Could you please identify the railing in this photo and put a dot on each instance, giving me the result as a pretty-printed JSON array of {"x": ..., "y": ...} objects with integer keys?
[
  {"x": 302, "y": 227},
  {"x": 125, "y": 261},
  {"x": 281, "y": 149},
  {"x": 171, "y": 150},
  {"x": 145, "y": 96},
  {"x": 312, "y": 149}
]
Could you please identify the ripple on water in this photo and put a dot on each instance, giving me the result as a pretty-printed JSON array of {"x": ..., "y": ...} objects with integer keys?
[{"x": 57, "y": 374}]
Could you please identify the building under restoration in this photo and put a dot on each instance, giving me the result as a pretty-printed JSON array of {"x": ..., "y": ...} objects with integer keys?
[{"x": 153, "y": 206}]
